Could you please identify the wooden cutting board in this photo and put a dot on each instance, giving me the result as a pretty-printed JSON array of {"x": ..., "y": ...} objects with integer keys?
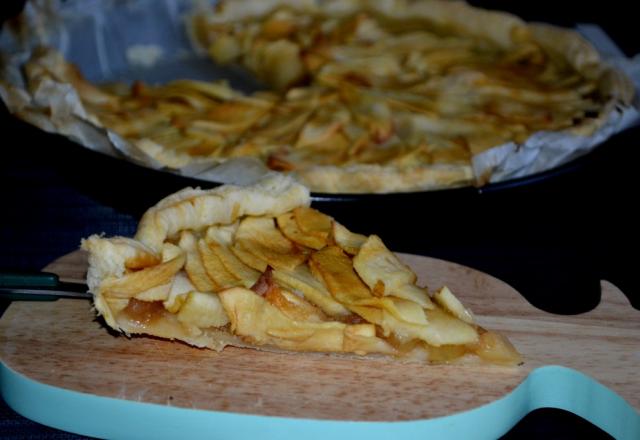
[{"x": 62, "y": 344}]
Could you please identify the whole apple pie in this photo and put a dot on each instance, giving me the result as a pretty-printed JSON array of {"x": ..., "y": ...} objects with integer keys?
[{"x": 359, "y": 96}]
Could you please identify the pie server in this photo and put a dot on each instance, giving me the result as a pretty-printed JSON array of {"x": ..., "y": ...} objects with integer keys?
[{"x": 39, "y": 286}]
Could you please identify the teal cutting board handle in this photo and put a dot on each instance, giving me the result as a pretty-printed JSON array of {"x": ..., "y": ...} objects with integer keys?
[
  {"x": 546, "y": 387},
  {"x": 62, "y": 367}
]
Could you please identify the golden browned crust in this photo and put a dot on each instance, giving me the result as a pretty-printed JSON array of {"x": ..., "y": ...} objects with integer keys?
[{"x": 384, "y": 179}]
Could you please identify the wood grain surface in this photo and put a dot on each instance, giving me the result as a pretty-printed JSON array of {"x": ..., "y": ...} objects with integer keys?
[{"x": 63, "y": 344}]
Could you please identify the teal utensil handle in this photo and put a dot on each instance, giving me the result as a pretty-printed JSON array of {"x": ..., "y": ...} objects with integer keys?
[
  {"x": 35, "y": 286},
  {"x": 13, "y": 296},
  {"x": 29, "y": 279}
]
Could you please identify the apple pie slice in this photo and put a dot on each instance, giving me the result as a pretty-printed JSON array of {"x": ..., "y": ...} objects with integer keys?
[{"x": 257, "y": 267}]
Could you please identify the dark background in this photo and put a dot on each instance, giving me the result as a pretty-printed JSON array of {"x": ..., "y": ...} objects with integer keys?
[{"x": 553, "y": 237}]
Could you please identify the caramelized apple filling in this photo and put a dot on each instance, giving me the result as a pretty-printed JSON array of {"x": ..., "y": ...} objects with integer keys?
[
  {"x": 290, "y": 278},
  {"x": 143, "y": 313}
]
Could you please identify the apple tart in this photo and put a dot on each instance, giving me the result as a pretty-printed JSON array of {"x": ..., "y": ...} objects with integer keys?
[
  {"x": 257, "y": 267},
  {"x": 363, "y": 96}
]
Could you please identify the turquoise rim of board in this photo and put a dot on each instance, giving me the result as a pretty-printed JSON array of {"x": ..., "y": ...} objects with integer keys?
[{"x": 106, "y": 417}]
